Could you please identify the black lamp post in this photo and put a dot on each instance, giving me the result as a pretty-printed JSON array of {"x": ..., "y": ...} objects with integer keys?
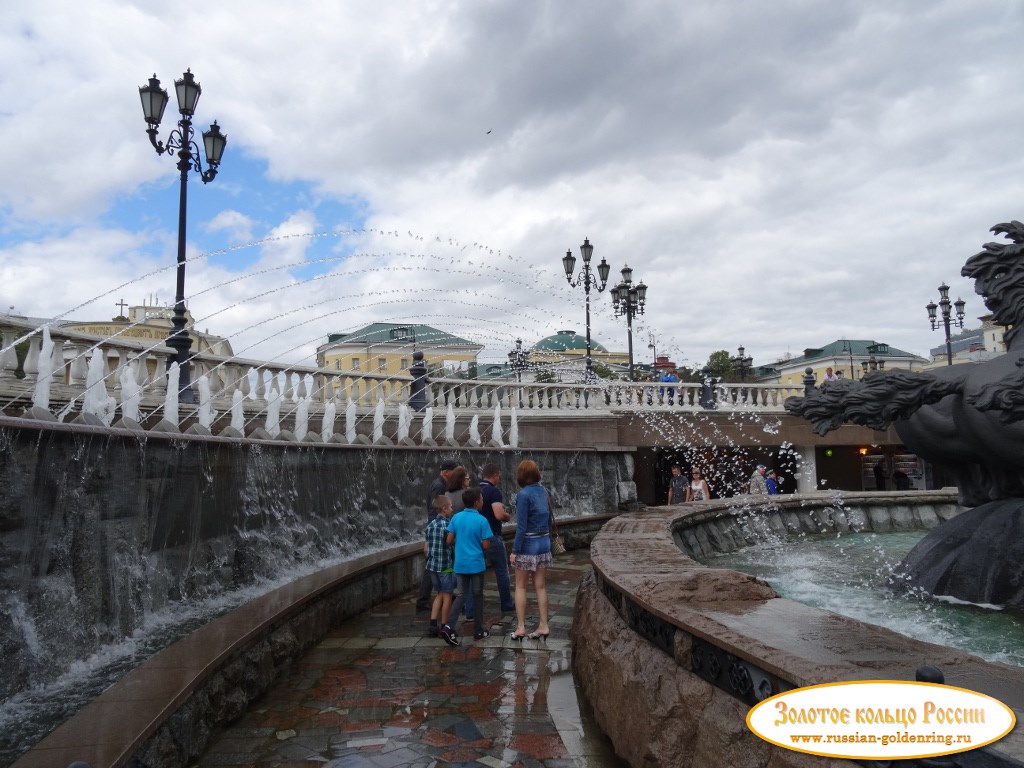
[
  {"x": 848, "y": 349},
  {"x": 182, "y": 138},
  {"x": 586, "y": 278},
  {"x": 517, "y": 359},
  {"x": 628, "y": 300},
  {"x": 947, "y": 319},
  {"x": 741, "y": 363}
]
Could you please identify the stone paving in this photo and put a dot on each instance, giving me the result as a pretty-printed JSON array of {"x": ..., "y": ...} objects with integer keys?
[{"x": 378, "y": 693}]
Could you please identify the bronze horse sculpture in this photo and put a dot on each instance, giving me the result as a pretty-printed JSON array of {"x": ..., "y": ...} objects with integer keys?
[{"x": 968, "y": 418}]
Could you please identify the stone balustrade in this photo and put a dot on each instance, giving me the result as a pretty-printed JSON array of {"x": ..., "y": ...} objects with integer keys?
[{"x": 262, "y": 382}]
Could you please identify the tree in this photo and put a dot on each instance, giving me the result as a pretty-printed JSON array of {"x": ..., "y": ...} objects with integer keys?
[{"x": 719, "y": 365}]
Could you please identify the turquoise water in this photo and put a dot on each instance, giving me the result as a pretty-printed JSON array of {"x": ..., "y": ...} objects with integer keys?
[{"x": 848, "y": 575}]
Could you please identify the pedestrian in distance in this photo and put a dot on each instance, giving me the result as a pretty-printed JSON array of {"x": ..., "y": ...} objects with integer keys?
[
  {"x": 676, "y": 486},
  {"x": 437, "y": 487},
  {"x": 470, "y": 534},
  {"x": 771, "y": 482},
  {"x": 698, "y": 489},
  {"x": 531, "y": 550},
  {"x": 758, "y": 486},
  {"x": 440, "y": 564}
]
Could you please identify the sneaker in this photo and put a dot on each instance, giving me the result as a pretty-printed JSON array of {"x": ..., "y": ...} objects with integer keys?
[
  {"x": 481, "y": 635},
  {"x": 449, "y": 635}
]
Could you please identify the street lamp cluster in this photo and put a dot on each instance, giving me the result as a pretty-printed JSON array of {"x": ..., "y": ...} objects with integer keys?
[
  {"x": 741, "y": 363},
  {"x": 628, "y": 301},
  {"x": 154, "y": 101},
  {"x": 947, "y": 317},
  {"x": 518, "y": 360}
]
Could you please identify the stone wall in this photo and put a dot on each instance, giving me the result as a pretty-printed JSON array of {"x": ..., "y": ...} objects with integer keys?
[
  {"x": 104, "y": 529},
  {"x": 209, "y": 678},
  {"x": 672, "y": 655}
]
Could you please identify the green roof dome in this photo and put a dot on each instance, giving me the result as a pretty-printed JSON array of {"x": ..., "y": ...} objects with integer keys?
[{"x": 566, "y": 341}]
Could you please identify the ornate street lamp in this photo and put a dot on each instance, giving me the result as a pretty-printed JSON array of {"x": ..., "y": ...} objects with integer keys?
[
  {"x": 587, "y": 279},
  {"x": 628, "y": 300},
  {"x": 517, "y": 360},
  {"x": 741, "y": 363},
  {"x": 947, "y": 319},
  {"x": 182, "y": 138}
]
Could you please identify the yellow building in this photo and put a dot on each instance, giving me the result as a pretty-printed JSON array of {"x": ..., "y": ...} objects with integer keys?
[
  {"x": 387, "y": 348},
  {"x": 847, "y": 358}
]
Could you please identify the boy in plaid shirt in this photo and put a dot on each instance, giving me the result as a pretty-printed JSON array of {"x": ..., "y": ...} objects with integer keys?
[{"x": 440, "y": 562}]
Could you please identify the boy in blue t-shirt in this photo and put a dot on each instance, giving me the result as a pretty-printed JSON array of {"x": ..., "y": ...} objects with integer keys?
[
  {"x": 470, "y": 532},
  {"x": 440, "y": 561}
]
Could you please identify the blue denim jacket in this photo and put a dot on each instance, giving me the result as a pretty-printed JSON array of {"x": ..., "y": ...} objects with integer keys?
[{"x": 532, "y": 514}]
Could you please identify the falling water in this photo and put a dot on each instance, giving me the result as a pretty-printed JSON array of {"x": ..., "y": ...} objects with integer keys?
[
  {"x": 237, "y": 414},
  {"x": 327, "y": 425},
  {"x": 427, "y": 430},
  {"x": 474, "y": 430},
  {"x": 171, "y": 398},
  {"x": 41, "y": 394},
  {"x": 449, "y": 425},
  {"x": 496, "y": 432},
  {"x": 350, "y": 422},
  {"x": 206, "y": 412},
  {"x": 273, "y": 425},
  {"x": 378, "y": 421},
  {"x": 97, "y": 402},
  {"x": 404, "y": 422},
  {"x": 302, "y": 418},
  {"x": 131, "y": 391}
]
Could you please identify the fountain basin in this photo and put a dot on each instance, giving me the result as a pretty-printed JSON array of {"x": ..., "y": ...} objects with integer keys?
[{"x": 672, "y": 654}]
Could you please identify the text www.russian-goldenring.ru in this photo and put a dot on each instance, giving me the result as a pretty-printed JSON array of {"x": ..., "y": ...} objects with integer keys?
[{"x": 885, "y": 740}]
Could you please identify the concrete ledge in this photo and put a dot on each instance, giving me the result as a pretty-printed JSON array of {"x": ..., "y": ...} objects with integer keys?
[
  {"x": 696, "y": 647},
  {"x": 162, "y": 713}
]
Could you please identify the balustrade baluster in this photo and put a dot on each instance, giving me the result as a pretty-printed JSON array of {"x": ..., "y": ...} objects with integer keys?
[
  {"x": 31, "y": 365},
  {"x": 9, "y": 357}
]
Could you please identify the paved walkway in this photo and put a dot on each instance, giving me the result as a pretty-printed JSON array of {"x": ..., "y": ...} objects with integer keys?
[{"x": 377, "y": 693}]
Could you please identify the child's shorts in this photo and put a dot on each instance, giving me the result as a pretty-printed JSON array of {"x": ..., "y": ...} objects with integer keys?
[{"x": 443, "y": 582}]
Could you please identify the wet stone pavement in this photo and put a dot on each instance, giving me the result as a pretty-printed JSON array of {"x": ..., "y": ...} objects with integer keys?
[{"x": 378, "y": 693}]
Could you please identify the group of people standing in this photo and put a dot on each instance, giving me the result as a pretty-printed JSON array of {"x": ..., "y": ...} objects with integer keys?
[
  {"x": 464, "y": 533},
  {"x": 680, "y": 490},
  {"x": 763, "y": 482}
]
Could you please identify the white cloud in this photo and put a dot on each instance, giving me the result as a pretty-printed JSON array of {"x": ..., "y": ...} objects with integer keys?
[{"x": 780, "y": 174}]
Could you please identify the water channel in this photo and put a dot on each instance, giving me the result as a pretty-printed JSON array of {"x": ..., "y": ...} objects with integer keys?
[{"x": 848, "y": 575}]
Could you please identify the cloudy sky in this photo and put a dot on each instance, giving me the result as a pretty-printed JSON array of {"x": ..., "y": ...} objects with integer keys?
[{"x": 781, "y": 174}]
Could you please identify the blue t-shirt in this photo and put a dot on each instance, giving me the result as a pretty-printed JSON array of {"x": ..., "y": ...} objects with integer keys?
[{"x": 470, "y": 529}]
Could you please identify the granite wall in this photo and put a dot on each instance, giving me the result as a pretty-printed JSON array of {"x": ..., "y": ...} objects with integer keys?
[{"x": 101, "y": 530}]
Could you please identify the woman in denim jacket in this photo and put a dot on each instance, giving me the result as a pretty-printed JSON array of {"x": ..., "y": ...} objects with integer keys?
[{"x": 531, "y": 550}]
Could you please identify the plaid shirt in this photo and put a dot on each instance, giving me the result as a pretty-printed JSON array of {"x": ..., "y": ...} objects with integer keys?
[{"x": 440, "y": 558}]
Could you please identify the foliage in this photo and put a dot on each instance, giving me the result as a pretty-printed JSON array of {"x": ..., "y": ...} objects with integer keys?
[
  {"x": 719, "y": 365},
  {"x": 546, "y": 376},
  {"x": 603, "y": 371}
]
